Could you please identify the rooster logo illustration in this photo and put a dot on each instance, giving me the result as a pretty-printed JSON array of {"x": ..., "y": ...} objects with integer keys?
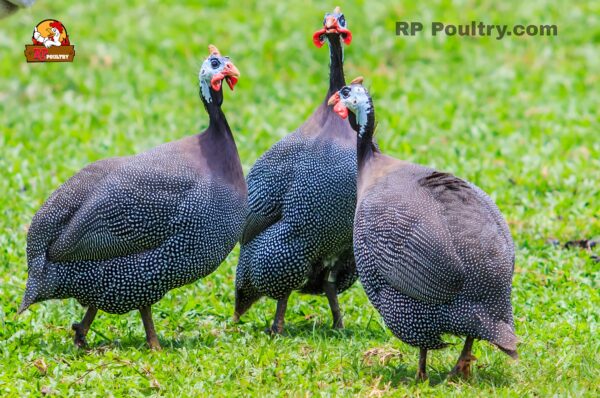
[
  {"x": 50, "y": 33},
  {"x": 50, "y": 43}
]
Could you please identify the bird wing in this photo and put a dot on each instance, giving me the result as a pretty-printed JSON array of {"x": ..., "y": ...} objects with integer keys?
[
  {"x": 411, "y": 247},
  {"x": 478, "y": 229},
  {"x": 49, "y": 221},
  {"x": 256, "y": 223},
  {"x": 133, "y": 209},
  {"x": 268, "y": 181}
]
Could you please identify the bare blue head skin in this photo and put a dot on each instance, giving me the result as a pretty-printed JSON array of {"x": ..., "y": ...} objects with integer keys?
[
  {"x": 214, "y": 70},
  {"x": 354, "y": 102}
]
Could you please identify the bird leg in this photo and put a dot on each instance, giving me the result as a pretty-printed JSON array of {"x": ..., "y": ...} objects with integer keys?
[
  {"x": 422, "y": 371},
  {"x": 331, "y": 292},
  {"x": 463, "y": 366},
  {"x": 151, "y": 337},
  {"x": 277, "y": 327},
  {"x": 81, "y": 328}
]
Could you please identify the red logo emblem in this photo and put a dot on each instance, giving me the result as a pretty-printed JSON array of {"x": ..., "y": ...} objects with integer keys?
[{"x": 50, "y": 43}]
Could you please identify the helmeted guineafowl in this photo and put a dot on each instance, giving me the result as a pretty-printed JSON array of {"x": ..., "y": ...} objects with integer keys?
[
  {"x": 302, "y": 194},
  {"x": 124, "y": 231},
  {"x": 433, "y": 252}
]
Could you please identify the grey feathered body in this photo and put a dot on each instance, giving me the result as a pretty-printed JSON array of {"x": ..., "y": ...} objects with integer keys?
[
  {"x": 302, "y": 197},
  {"x": 124, "y": 231},
  {"x": 434, "y": 255}
]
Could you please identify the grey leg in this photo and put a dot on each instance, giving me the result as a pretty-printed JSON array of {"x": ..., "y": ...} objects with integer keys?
[
  {"x": 422, "y": 371},
  {"x": 277, "y": 327},
  {"x": 331, "y": 292},
  {"x": 463, "y": 366},
  {"x": 81, "y": 329},
  {"x": 151, "y": 337}
]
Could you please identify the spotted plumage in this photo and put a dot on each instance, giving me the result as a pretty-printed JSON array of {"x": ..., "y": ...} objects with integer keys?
[
  {"x": 124, "y": 231},
  {"x": 433, "y": 252},
  {"x": 302, "y": 195}
]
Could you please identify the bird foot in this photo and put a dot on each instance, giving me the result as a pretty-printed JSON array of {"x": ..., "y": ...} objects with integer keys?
[
  {"x": 421, "y": 376},
  {"x": 79, "y": 338},
  {"x": 274, "y": 330},
  {"x": 339, "y": 324},
  {"x": 463, "y": 367},
  {"x": 154, "y": 344}
]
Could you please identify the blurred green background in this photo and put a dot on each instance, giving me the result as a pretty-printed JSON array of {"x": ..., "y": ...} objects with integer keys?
[{"x": 519, "y": 117}]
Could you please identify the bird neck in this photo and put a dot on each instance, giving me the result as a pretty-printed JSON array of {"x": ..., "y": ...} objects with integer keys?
[
  {"x": 217, "y": 144},
  {"x": 218, "y": 122},
  {"x": 336, "y": 64},
  {"x": 364, "y": 125},
  {"x": 212, "y": 101},
  {"x": 218, "y": 126}
]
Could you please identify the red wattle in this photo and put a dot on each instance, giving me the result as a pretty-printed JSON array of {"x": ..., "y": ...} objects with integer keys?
[
  {"x": 317, "y": 38},
  {"x": 215, "y": 82},
  {"x": 231, "y": 81},
  {"x": 347, "y": 35},
  {"x": 341, "y": 110}
]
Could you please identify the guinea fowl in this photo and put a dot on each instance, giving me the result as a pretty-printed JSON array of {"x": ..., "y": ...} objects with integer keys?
[
  {"x": 124, "y": 231},
  {"x": 433, "y": 252},
  {"x": 302, "y": 194}
]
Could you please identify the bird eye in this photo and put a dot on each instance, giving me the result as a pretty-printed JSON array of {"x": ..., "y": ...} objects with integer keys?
[
  {"x": 345, "y": 92},
  {"x": 214, "y": 63},
  {"x": 342, "y": 20}
]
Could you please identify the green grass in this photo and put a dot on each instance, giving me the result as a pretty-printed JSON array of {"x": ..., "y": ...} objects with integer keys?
[{"x": 518, "y": 117}]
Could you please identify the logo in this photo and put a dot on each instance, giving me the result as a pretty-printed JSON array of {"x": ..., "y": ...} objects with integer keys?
[{"x": 50, "y": 43}]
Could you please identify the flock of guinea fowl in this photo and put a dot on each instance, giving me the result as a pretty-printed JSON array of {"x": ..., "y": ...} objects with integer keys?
[{"x": 319, "y": 210}]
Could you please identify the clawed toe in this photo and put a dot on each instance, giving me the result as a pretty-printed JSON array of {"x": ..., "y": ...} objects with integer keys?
[
  {"x": 421, "y": 376},
  {"x": 463, "y": 367},
  {"x": 154, "y": 345},
  {"x": 339, "y": 324},
  {"x": 79, "y": 338},
  {"x": 272, "y": 331}
]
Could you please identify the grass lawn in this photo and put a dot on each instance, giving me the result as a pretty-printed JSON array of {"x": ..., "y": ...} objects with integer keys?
[{"x": 519, "y": 117}]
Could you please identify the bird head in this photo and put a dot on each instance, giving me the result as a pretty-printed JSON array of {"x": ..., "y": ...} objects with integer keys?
[
  {"x": 246, "y": 292},
  {"x": 356, "y": 99},
  {"x": 42, "y": 284},
  {"x": 214, "y": 70},
  {"x": 334, "y": 25},
  {"x": 57, "y": 30},
  {"x": 57, "y": 27}
]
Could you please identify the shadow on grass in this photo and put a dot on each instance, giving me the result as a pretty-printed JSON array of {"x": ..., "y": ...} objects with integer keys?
[
  {"x": 399, "y": 372},
  {"x": 203, "y": 340},
  {"x": 405, "y": 374},
  {"x": 311, "y": 332},
  {"x": 317, "y": 330}
]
